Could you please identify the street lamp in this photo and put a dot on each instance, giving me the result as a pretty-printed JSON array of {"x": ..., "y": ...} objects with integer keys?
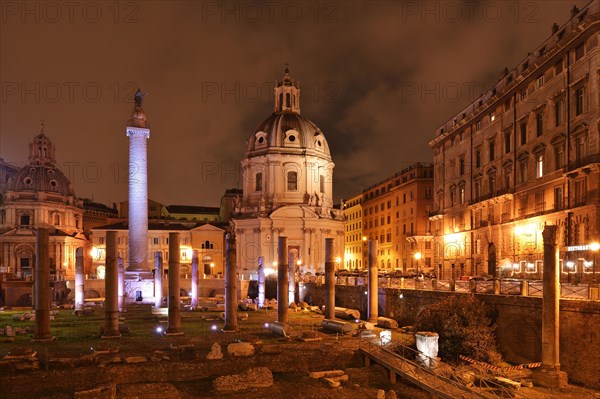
[{"x": 417, "y": 257}]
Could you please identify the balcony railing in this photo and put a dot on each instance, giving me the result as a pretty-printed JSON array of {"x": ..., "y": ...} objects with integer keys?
[
  {"x": 519, "y": 287},
  {"x": 540, "y": 207},
  {"x": 579, "y": 163}
]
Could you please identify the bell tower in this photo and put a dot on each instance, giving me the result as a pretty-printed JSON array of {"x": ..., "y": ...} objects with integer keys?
[{"x": 287, "y": 94}]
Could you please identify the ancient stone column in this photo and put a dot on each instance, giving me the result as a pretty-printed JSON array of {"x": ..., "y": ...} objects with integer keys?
[
  {"x": 174, "y": 295},
  {"x": 121, "y": 288},
  {"x": 41, "y": 286},
  {"x": 79, "y": 296},
  {"x": 329, "y": 279},
  {"x": 373, "y": 290},
  {"x": 195, "y": 279},
  {"x": 138, "y": 131},
  {"x": 230, "y": 285},
  {"x": 158, "y": 273},
  {"x": 292, "y": 278},
  {"x": 282, "y": 280},
  {"x": 111, "y": 288},
  {"x": 261, "y": 282},
  {"x": 549, "y": 375}
]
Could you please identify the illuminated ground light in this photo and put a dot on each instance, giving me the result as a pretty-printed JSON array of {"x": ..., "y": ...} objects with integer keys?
[
  {"x": 266, "y": 325},
  {"x": 213, "y": 327},
  {"x": 159, "y": 330}
]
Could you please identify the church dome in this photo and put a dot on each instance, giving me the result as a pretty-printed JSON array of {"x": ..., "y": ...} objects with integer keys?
[
  {"x": 44, "y": 178},
  {"x": 42, "y": 174},
  {"x": 286, "y": 130}
]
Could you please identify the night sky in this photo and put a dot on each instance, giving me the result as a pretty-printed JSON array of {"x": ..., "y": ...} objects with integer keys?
[{"x": 377, "y": 77}]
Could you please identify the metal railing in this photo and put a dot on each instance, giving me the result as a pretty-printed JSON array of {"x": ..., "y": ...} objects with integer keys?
[
  {"x": 412, "y": 365},
  {"x": 534, "y": 288}
]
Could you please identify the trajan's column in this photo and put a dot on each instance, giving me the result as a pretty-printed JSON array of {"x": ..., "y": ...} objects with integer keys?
[{"x": 138, "y": 131}]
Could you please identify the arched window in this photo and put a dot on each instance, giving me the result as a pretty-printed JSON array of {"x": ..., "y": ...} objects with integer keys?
[
  {"x": 258, "y": 182},
  {"x": 56, "y": 219},
  {"x": 292, "y": 181},
  {"x": 287, "y": 100},
  {"x": 280, "y": 101}
]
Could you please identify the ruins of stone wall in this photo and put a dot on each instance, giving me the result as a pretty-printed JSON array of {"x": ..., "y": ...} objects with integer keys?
[{"x": 518, "y": 318}]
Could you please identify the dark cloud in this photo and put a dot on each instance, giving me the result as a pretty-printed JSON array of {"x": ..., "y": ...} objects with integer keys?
[{"x": 209, "y": 75}]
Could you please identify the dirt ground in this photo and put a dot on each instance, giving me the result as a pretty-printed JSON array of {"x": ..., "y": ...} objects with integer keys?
[{"x": 180, "y": 369}]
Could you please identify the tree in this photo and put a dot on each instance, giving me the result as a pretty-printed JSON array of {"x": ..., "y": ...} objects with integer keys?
[{"x": 463, "y": 327}]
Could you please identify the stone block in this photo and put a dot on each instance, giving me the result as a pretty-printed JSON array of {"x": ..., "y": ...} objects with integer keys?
[
  {"x": 332, "y": 382},
  {"x": 258, "y": 377},
  {"x": 135, "y": 359},
  {"x": 326, "y": 373},
  {"x": 107, "y": 391},
  {"x": 386, "y": 322},
  {"x": 239, "y": 349},
  {"x": 507, "y": 383},
  {"x": 215, "y": 352}
]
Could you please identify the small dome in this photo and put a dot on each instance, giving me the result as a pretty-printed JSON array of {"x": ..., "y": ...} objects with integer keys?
[
  {"x": 287, "y": 130},
  {"x": 46, "y": 178}
]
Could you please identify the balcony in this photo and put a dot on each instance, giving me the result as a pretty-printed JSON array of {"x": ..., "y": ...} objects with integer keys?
[
  {"x": 540, "y": 207},
  {"x": 580, "y": 163},
  {"x": 435, "y": 215}
]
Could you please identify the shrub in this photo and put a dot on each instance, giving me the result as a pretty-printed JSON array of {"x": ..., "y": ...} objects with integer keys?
[{"x": 463, "y": 327}]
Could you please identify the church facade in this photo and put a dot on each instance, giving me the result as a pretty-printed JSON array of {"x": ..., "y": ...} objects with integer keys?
[
  {"x": 40, "y": 195},
  {"x": 287, "y": 175}
]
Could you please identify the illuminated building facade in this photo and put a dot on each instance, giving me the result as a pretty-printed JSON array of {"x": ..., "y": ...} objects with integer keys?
[
  {"x": 207, "y": 239},
  {"x": 524, "y": 154},
  {"x": 353, "y": 237},
  {"x": 395, "y": 212},
  {"x": 287, "y": 175},
  {"x": 39, "y": 195}
]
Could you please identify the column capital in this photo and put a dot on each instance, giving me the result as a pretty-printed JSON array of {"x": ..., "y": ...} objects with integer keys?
[{"x": 549, "y": 234}]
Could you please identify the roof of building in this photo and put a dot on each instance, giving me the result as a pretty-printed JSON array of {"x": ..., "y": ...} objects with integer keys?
[
  {"x": 192, "y": 209},
  {"x": 161, "y": 225}
]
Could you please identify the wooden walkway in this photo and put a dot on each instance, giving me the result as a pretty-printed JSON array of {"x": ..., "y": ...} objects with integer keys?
[{"x": 421, "y": 376}]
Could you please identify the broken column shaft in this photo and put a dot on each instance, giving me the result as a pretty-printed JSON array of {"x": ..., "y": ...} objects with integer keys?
[
  {"x": 292, "y": 278},
  {"x": 329, "y": 279},
  {"x": 79, "y": 296},
  {"x": 282, "y": 281},
  {"x": 261, "y": 282},
  {"x": 41, "y": 286},
  {"x": 230, "y": 285},
  {"x": 549, "y": 375},
  {"x": 174, "y": 294},
  {"x": 158, "y": 273},
  {"x": 373, "y": 283},
  {"x": 121, "y": 289},
  {"x": 195, "y": 279},
  {"x": 111, "y": 288}
]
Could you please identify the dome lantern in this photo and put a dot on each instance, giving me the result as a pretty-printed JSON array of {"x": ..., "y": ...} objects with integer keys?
[
  {"x": 287, "y": 94},
  {"x": 41, "y": 149}
]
